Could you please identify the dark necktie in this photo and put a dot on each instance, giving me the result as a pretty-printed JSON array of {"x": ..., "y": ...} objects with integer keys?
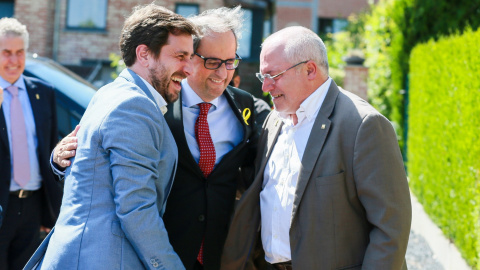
[
  {"x": 207, "y": 150},
  {"x": 21, "y": 160}
]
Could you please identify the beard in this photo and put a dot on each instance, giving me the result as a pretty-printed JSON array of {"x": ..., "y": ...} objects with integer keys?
[{"x": 161, "y": 82}]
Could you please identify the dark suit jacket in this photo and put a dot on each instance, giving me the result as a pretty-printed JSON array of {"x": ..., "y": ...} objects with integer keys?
[
  {"x": 352, "y": 205},
  {"x": 42, "y": 100},
  {"x": 199, "y": 207}
]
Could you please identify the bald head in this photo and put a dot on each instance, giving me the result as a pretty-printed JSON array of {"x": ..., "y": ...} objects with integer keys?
[{"x": 298, "y": 43}]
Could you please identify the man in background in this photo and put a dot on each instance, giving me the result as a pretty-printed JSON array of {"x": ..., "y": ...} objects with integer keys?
[{"x": 29, "y": 195}]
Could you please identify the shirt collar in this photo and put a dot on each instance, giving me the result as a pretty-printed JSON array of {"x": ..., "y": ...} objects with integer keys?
[
  {"x": 20, "y": 83},
  {"x": 310, "y": 106},
  {"x": 190, "y": 97},
  {"x": 158, "y": 98}
]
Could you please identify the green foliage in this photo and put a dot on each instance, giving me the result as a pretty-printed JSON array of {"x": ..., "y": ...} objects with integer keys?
[
  {"x": 343, "y": 44},
  {"x": 384, "y": 57},
  {"x": 392, "y": 29},
  {"x": 444, "y": 137},
  {"x": 117, "y": 63}
]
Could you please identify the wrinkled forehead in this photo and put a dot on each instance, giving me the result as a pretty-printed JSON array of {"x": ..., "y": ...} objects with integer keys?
[{"x": 272, "y": 58}]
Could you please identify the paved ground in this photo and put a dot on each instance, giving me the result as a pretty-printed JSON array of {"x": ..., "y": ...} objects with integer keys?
[
  {"x": 428, "y": 249},
  {"x": 419, "y": 254}
]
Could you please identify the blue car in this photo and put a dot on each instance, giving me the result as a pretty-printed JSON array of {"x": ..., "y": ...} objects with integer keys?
[{"x": 73, "y": 93}]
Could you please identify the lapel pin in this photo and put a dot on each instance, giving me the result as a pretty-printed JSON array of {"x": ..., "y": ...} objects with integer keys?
[
  {"x": 323, "y": 126},
  {"x": 246, "y": 115},
  {"x": 37, "y": 96}
]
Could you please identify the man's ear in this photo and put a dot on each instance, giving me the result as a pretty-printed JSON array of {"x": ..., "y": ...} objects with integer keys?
[
  {"x": 312, "y": 70},
  {"x": 143, "y": 55}
]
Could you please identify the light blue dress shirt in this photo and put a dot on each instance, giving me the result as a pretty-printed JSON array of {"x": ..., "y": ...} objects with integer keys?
[
  {"x": 35, "y": 177},
  {"x": 225, "y": 129}
]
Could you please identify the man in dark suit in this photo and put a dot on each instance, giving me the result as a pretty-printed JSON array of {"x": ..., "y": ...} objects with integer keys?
[
  {"x": 201, "y": 201},
  {"x": 200, "y": 205},
  {"x": 29, "y": 195},
  {"x": 330, "y": 190}
]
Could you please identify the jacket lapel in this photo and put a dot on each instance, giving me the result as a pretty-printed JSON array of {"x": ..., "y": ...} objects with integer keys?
[
  {"x": 3, "y": 129},
  {"x": 315, "y": 144},
  {"x": 37, "y": 108},
  {"x": 132, "y": 77},
  {"x": 174, "y": 117},
  {"x": 238, "y": 110},
  {"x": 273, "y": 127}
]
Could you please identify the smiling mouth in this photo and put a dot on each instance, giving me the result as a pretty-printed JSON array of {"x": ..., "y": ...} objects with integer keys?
[
  {"x": 177, "y": 79},
  {"x": 216, "y": 81},
  {"x": 277, "y": 96}
]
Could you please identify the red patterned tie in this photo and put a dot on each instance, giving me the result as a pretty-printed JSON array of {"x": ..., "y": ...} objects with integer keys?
[{"x": 207, "y": 150}]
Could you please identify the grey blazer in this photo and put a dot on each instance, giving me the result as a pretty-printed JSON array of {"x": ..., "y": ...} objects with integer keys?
[
  {"x": 352, "y": 205},
  {"x": 117, "y": 186}
]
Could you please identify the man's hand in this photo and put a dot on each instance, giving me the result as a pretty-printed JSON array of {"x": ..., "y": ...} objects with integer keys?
[{"x": 65, "y": 149}]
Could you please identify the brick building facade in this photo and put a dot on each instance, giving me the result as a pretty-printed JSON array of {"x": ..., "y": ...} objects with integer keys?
[{"x": 81, "y": 34}]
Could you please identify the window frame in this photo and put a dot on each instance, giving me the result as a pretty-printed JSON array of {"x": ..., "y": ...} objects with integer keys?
[
  {"x": 180, "y": 4},
  {"x": 82, "y": 28}
]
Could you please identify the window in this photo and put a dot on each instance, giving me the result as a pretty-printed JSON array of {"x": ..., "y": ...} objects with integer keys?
[
  {"x": 326, "y": 25},
  {"x": 87, "y": 14},
  {"x": 245, "y": 43},
  {"x": 186, "y": 10},
  {"x": 6, "y": 8}
]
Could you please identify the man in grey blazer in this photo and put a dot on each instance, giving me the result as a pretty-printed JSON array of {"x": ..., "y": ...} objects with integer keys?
[
  {"x": 119, "y": 181},
  {"x": 330, "y": 190}
]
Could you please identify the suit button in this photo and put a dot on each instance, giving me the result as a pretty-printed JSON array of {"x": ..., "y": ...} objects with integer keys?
[{"x": 201, "y": 218}]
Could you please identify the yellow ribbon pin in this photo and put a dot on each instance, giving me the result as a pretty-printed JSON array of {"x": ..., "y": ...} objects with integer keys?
[{"x": 246, "y": 115}]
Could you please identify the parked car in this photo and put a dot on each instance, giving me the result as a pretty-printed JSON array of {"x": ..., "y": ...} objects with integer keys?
[{"x": 73, "y": 93}]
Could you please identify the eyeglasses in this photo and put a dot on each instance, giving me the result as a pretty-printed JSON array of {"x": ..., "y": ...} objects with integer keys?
[
  {"x": 214, "y": 63},
  {"x": 262, "y": 77}
]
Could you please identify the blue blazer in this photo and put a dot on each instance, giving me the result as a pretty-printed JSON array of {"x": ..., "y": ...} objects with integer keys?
[{"x": 117, "y": 187}]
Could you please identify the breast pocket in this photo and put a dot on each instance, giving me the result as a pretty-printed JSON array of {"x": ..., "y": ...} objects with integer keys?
[{"x": 330, "y": 179}]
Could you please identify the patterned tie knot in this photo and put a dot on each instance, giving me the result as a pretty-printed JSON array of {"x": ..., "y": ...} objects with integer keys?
[
  {"x": 204, "y": 108},
  {"x": 13, "y": 90}
]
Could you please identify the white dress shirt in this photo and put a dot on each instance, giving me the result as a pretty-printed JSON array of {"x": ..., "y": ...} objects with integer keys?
[
  {"x": 281, "y": 174},
  {"x": 162, "y": 104},
  {"x": 225, "y": 128},
  {"x": 35, "y": 176}
]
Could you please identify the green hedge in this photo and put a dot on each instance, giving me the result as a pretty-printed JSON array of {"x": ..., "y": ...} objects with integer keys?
[{"x": 444, "y": 137}]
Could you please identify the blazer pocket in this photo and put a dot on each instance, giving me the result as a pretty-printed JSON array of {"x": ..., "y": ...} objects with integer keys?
[
  {"x": 330, "y": 179},
  {"x": 358, "y": 266},
  {"x": 117, "y": 229}
]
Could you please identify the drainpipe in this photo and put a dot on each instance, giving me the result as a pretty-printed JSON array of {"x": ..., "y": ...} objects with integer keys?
[
  {"x": 315, "y": 16},
  {"x": 56, "y": 30}
]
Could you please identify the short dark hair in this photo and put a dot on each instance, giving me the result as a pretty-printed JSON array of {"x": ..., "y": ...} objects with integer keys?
[{"x": 150, "y": 25}]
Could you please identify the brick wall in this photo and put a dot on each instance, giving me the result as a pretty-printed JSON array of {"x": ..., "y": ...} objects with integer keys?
[
  {"x": 75, "y": 45},
  {"x": 340, "y": 9},
  {"x": 356, "y": 80},
  {"x": 290, "y": 16},
  {"x": 38, "y": 17},
  {"x": 298, "y": 12}
]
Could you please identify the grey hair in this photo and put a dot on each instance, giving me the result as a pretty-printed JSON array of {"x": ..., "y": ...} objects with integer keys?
[
  {"x": 300, "y": 44},
  {"x": 218, "y": 20},
  {"x": 12, "y": 27}
]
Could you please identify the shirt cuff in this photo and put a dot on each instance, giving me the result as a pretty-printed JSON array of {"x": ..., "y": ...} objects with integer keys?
[{"x": 55, "y": 168}]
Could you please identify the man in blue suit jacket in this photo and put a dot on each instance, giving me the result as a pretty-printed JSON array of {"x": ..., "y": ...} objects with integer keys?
[
  {"x": 119, "y": 181},
  {"x": 29, "y": 195}
]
